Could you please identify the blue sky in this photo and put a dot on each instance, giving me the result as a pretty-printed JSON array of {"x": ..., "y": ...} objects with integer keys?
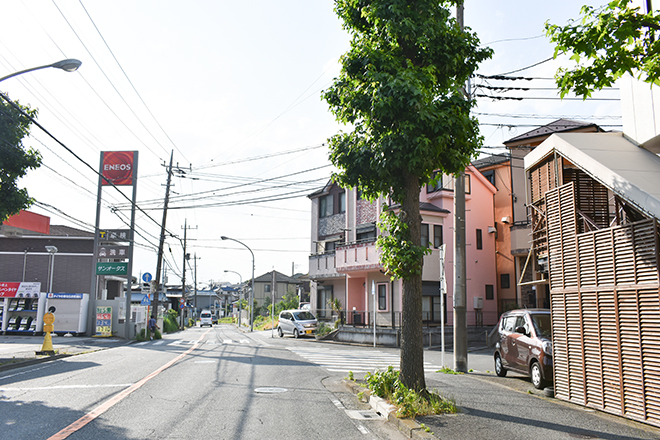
[{"x": 233, "y": 88}]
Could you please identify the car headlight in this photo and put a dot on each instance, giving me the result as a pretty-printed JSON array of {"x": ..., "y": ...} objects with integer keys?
[{"x": 547, "y": 348}]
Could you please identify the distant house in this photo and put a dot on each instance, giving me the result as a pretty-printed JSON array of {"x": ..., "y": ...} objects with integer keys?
[
  {"x": 345, "y": 261},
  {"x": 283, "y": 285}
]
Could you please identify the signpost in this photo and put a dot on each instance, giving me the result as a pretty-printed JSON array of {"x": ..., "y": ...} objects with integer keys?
[{"x": 111, "y": 268}]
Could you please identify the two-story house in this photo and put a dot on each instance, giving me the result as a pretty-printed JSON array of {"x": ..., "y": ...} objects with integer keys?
[
  {"x": 505, "y": 171},
  {"x": 345, "y": 262}
]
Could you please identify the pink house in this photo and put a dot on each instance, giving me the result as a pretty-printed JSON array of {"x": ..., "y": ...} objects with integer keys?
[{"x": 344, "y": 262}]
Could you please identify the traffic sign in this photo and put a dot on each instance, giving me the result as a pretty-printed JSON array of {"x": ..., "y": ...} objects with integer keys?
[
  {"x": 146, "y": 277},
  {"x": 145, "y": 301},
  {"x": 182, "y": 301}
]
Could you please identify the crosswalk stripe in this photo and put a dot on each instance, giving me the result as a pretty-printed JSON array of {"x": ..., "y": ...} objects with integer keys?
[{"x": 355, "y": 361}]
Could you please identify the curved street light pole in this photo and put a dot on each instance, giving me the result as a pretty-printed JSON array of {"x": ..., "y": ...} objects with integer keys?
[
  {"x": 252, "y": 288},
  {"x": 68, "y": 65}
]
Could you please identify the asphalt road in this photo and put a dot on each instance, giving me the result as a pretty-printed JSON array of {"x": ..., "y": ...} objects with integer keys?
[{"x": 214, "y": 383}]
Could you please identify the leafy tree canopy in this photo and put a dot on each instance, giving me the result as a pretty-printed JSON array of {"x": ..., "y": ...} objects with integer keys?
[
  {"x": 605, "y": 43},
  {"x": 15, "y": 159},
  {"x": 401, "y": 89}
]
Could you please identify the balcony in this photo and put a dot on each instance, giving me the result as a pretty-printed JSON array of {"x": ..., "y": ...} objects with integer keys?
[
  {"x": 357, "y": 256},
  {"x": 322, "y": 265}
]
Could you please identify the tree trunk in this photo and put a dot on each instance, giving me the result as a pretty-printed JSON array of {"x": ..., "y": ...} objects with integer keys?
[{"x": 412, "y": 344}]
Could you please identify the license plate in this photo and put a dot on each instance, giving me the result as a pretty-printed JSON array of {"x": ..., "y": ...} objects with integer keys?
[{"x": 309, "y": 332}]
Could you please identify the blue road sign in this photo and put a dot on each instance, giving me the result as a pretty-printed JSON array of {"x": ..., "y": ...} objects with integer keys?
[
  {"x": 146, "y": 277},
  {"x": 145, "y": 301}
]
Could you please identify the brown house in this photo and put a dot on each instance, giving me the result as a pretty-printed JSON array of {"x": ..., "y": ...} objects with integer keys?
[
  {"x": 516, "y": 287},
  {"x": 596, "y": 203}
]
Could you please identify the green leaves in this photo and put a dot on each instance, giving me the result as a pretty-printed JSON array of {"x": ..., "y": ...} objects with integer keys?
[
  {"x": 15, "y": 159},
  {"x": 399, "y": 256},
  {"x": 606, "y": 43}
]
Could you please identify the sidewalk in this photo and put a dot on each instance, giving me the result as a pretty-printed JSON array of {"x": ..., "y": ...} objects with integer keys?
[{"x": 18, "y": 351}]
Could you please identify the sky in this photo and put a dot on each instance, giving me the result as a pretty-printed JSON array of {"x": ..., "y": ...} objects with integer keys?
[{"x": 232, "y": 89}]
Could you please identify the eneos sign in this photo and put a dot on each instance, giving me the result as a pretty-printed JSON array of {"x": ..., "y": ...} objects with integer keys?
[{"x": 117, "y": 167}]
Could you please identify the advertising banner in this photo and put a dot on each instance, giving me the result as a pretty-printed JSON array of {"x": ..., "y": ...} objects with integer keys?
[
  {"x": 117, "y": 168},
  {"x": 20, "y": 290}
]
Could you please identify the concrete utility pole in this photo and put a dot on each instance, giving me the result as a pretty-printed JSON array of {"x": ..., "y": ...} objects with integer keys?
[
  {"x": 156, "y": 286},
  {"x": 460, "y": 287}
]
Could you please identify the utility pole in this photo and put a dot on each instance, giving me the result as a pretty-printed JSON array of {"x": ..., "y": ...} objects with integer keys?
[
  {"x": 156, "y": 284},
  {"x": 186, "y": 257},
  {"x": 196, "y": 280},
  {"x": 460, "y": 287}
]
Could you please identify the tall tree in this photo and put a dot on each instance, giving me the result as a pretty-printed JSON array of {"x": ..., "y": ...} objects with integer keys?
[
  {"x": 605, "y": 43},
  {"x": 400, "y": 89},
  {"x": 15, "y": 159}
]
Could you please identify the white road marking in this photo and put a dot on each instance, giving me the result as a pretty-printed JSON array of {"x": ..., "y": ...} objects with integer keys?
[
  {"x": 67, "y": 387},
  {"x": 362, "y": 429}
]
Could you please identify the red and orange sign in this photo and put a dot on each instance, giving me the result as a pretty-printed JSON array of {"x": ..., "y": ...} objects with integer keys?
[{"x": 117, "y": 167}]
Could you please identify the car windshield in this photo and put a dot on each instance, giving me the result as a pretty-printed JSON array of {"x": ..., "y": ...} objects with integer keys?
[
  {"x": 542, "y": 324},
  {"x": 303, "y": 316},
  {"x": 206, "y": 315}
]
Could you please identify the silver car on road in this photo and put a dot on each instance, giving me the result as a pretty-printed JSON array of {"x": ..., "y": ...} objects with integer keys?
[{"x": 297, "y": 323}]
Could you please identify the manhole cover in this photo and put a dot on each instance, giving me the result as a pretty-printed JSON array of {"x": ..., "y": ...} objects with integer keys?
[{"x": 270, "y": 390}]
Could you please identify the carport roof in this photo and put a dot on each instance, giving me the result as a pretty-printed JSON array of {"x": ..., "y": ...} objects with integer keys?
[{"x": 628, "y": 170}]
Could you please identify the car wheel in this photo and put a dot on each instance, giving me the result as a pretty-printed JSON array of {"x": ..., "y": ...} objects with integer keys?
[
  {"x": 296, "y": 334},
  {"x": 499, "y": 368},
  {"x": 280, "y": 332},
  {"x": 537, "y": 376}
]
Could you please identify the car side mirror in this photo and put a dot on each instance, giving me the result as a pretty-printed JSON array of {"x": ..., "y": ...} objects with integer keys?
[{"x": 520, "y": 329}]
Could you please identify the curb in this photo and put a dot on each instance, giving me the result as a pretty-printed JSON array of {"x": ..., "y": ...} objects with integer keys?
[{"x": 409, "y": 427}]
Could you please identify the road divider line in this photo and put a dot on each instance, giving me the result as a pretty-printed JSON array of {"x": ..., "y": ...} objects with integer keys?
[{"x": 93, "y": 414}]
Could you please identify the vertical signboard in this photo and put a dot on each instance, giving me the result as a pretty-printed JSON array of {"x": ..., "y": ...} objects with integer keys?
[
  {"x": 104, "y": 321},
  {"x": 116, "y": 168}
]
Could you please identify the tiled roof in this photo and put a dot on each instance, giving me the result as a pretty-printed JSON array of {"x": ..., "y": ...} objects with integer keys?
[{"x": 558, "y": 126}]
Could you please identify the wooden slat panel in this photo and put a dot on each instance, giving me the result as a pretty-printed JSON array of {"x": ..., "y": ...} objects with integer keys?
[
  {"x": 633, "y": 386},
  {"x": 649, "y": 316},
  {"x": 610, "y": 352},
  {"x": 587, "y": 259},
  {"x": 574, "y": 348},
  {"x": 592, "y": 349},
  {"x": 559, "y": 345}
]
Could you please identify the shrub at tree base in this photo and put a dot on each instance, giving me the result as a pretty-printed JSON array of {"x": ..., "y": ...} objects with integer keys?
[
  {"x": 409, "y": 403},
  {"x": 145, "y": 335}
]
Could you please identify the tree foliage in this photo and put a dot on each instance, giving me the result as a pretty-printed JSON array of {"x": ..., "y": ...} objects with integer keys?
[
  {"x": 15, "y": 159},
  {"x": 605, "y": 43},
  {"x": 400, "y": 89}
]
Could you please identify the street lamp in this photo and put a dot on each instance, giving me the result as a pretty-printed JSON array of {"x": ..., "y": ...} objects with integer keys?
[
  {"x": 68, "y": 65},
  {"x": 239, "y": 296},
  {"x": 52, "y": 250},
  {"x": 252, "y": 288}
]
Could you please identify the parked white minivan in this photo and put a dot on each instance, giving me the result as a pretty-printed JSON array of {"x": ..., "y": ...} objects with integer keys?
[{"x": 206, "y": 319}]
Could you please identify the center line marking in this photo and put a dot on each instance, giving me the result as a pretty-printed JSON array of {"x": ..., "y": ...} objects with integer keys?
[{"x": 93, "y": 414}]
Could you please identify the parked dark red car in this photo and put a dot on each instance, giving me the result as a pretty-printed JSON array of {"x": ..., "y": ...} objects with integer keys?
[{"x": 524, "y": 345}]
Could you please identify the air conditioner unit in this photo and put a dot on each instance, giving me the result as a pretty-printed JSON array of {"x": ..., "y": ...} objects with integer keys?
[
  {"x": 478, "y": 302},
  {"x": 506, "y": 219}
]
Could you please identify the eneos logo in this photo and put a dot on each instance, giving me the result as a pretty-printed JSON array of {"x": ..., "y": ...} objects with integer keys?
[{"x": 117, "y": 167}]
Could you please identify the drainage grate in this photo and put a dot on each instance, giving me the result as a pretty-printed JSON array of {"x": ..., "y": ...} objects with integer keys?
[{"x": 364, "y": 415}]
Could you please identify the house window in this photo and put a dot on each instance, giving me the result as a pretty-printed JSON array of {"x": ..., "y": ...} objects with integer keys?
[
  {"x": 505, "y": 282},
  {"x": 480, "y": 244},
  {"x": 366, "y": 232},
  {"x": 382, "y": 297},
  {"x": 468, "y": 188},
  {"x": 342, "y": 202},
  {"x": 267, "y": 288},
  {"x": 490, "y": 175},
  {"x": 444, "y": 182},
  {"x": 326, "y": 206},
  {"x": 490, "y": 291},
  {"x": 437, "y": 236},
  {"x": 425, "y": 235}
]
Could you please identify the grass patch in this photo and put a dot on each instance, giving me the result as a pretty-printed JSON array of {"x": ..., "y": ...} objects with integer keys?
[
  {"x": 409, "y": 403},
  {"x": 448, "y": 370},
  {"x": 323, "y": 329}
]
